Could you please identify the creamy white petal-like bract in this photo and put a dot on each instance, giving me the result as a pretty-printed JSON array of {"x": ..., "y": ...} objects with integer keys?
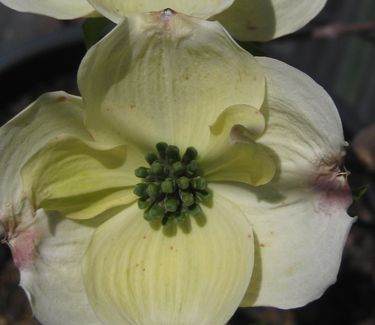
[
  {"x": 60, "y": 9},
  {"x": 51, "y": 275},
  {"x": 299, "y": 219},
  {"x": 263, "y": 20},
  {"x": 192, "y": 273},
  {"x": 52, "y": 115},
  {"x": 47, "y": 249},
  {"x": 160, "y": 78}
]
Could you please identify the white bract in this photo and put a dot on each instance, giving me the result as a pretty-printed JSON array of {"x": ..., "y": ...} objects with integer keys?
[
  {"x": 246, "y": 20},
  {"x": 270, "y": 145}
]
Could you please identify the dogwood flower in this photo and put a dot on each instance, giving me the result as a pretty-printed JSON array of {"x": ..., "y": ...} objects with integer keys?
[
  {"x": 246, "y": 20},
  {"x": 191, "y": 178}
]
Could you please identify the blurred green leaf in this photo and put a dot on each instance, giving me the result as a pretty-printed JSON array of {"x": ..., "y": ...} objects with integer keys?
[
  {"x": 359, "y": 192},
  {"x": 93, "y": 30}
]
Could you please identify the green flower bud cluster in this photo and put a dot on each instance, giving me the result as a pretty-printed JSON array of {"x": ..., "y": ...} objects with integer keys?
[{"x": 172, "y": 186}]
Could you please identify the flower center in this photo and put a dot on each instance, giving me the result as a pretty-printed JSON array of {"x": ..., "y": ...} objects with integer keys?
[{"x": 172, "y": 186}]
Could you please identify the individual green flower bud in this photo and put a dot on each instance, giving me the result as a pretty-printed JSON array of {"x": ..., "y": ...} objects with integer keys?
[
  {"x": 156, "y": 169},
  {"x": 150, "y": 179},
  {"x": 178, "y": 168},
  {"x": 140, "y": 189},
  {"x": 171, "y": 204},
  {"x": 167, "y": 186},
  {"x": 195, "y": 210},
  {"x": 203, "y": 196},
  {"x": 183, "y": 182},
  {"x": 153, "y": 190},
  {"x": 199, "y": 183},
  {"x": 156, "y": 211},
  {"x": 151, "y": 157},
  {"x": 193, "y": 168},
  {"x": 187, "y": 198},
  {"x": 143, "y": 203},
  {"x": 190, "y": 154},
  {"x": 161, "y": 147},
  {"x": 141, "y": 172},
  {"x": 173, "y": 153}
]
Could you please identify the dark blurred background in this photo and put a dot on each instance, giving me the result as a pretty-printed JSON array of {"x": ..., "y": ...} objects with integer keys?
[{"x": 337, "y": 49}]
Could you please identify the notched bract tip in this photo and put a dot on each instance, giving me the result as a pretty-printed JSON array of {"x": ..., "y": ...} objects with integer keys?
[
  {"x": 169, "y": 23},
  {"x": 332, "y": 185},
  {"x": 167, "y": 12}
]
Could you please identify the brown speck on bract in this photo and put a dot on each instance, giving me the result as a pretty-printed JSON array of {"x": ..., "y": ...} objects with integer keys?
[
  {"x": 262, "y": 245},
  {"x": 61, "y": 99},
  {"x": 144, "y": 237},
  {"x": 291, "y": 270},
  {"x": 171, "y": 248},
  {"x": 143, "y": 269},
  {"x": 250, "y": 26}
]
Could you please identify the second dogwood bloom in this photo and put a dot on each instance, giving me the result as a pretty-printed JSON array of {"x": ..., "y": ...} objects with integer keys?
[{"x": 246, "y": 20}]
